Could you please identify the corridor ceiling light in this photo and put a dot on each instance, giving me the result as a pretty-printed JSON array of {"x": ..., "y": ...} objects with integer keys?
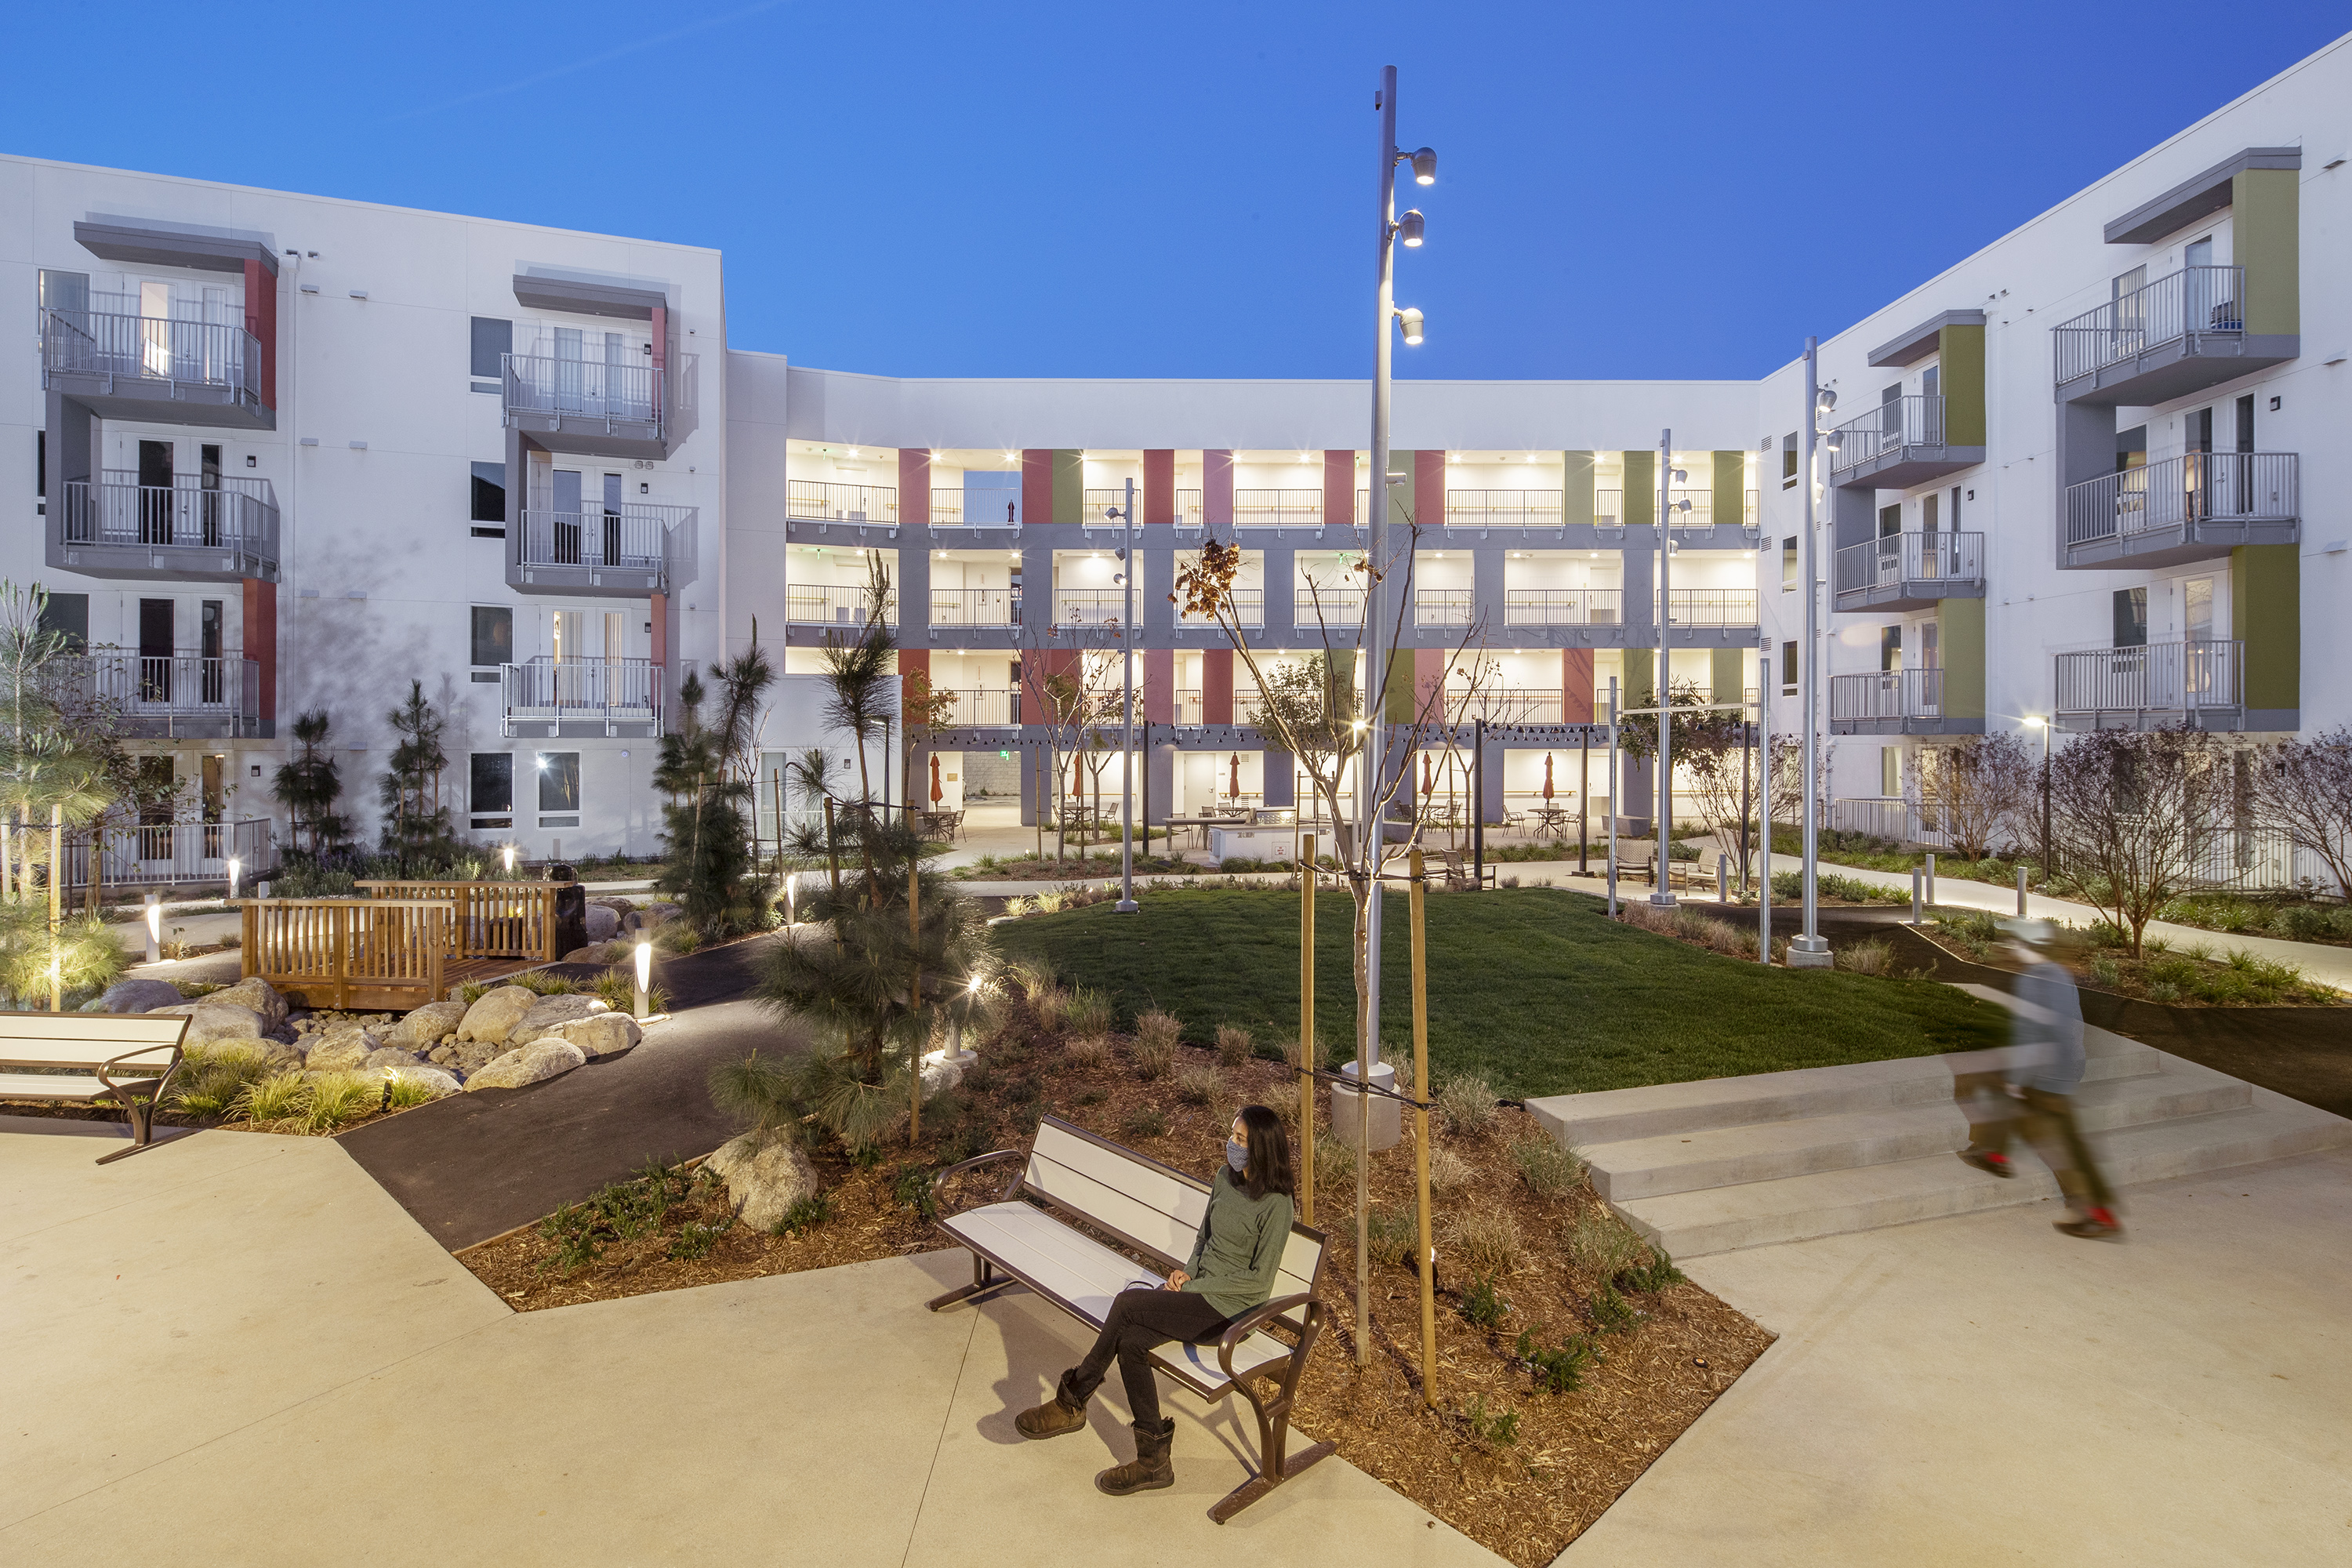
[
  {"x": 1409, "y": 229},
  {"x": 1424, "y": 166},
  {"x": 1410, "y": 318}
]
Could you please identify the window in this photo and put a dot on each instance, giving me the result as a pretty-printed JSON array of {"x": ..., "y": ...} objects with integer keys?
[
  {"x": 493, "y": 340},
  {"x": 1789, "y": 668},
  {"x": 491, "y": 795},
  {"x": 2197, "y": 607},
  {"x": 493, "y": 636},
  {"x": 41, "y": 466},
  {"x": 1890, "y": 647},
  {"x": 65, "y": 292},
  {"x": 559, "y": 789},
  {"x": 1954, "y": 516},
  {"x": 1789, "y": 564},
  {"x": 68, "y": 614},
  {"x": 490, "y": 500},
  {"x": 1931, "y": 381},
  {"x": 1890, "y": 771},
  {"x": 1890, "y": 521},
  {"x": 2131, "y": 617},
  {"x": 1788, "y": 461}
]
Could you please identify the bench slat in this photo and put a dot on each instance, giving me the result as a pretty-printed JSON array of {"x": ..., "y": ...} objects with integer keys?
[
  {"x": 117, "y": 1032},
  {"x": 69, "y": 1054},
  {"x": 1170, "y": 1192},
  {"x": 1116, "y": 1210},
  {"x": 49, "y": 1086}
]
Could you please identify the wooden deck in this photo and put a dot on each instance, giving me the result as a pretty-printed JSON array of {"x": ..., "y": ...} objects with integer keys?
[{"x": 414, "y": 943}]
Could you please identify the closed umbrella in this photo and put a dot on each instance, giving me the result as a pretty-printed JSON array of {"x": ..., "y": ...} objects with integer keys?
[
  {"x": 1547, "y": 775},
  {"x": 937, "y": 794},
  {"x": 1233, "y": 784}
]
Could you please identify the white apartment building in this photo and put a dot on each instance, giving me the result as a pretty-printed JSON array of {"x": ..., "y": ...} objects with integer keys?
[{"x": 283, "y": 453}]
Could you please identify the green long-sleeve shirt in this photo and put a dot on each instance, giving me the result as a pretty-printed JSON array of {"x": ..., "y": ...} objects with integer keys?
[{"x": 1239, "y": 1247}]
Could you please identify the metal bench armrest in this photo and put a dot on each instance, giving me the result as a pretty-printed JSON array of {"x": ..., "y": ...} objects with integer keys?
[
  {"x": 1249, "y": 1323},
  {"x": 161, "y": 1080},
  {"x": 940, "y": 1182}
]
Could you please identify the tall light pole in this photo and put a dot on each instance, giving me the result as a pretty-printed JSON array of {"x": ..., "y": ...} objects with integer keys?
[
  {"x": 1373, "y": 766},
  {"x": 1662, "y": 890},
  {"x": 1808, "y": 951},
  {"x": 2044, "y": 725},
  {"x": 1126, "y": 515}
]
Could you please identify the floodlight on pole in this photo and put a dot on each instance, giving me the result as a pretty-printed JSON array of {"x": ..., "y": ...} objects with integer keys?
[
  {"x": 1409, "y": 229},
  {"x": 1424, "y": 166},
  {"x": 1409, "y": 320}
]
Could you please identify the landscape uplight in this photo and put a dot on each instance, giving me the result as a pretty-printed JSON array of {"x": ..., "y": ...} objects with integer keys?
[
  {"x": 154, "y": 928},
  {"x": 235, "y": 867},
  {"x": 506, "y": 855}
]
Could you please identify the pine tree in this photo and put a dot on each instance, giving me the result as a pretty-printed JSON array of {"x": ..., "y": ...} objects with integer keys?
[
  {"x": 708, "y": 773},
  {"x": 417, "y": 826},
  {"x": 309, "y": 785}
]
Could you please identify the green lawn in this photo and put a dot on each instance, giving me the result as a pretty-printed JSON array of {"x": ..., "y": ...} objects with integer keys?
[{"x": 1534, "y": 987}]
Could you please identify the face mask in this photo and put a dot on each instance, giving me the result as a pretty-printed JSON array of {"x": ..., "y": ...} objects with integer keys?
[{"x": 1236, "y": 1155}]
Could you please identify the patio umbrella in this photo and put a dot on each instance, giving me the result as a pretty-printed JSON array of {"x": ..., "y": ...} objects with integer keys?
[
  {"x": 1547, "y": 775},
  {"x": 1233, "y": 787},
  {"x": 1425, "y": 790},
  {"x": 937, "y": 793}
]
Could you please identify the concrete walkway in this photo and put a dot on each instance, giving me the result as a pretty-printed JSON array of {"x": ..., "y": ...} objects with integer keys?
[{"x": 238, "y": 1350}]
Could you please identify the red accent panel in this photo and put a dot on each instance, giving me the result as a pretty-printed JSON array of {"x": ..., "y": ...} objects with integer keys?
[
  {"x": 1158, "y": 487},
  {"x": 915, "y": 487},
  {"x": 1429, "y": 489},
  {"x": 261, "y": 629},
  {"x": 1339, "y": 489},
  {"x": 661, "y": 630},
  {"x": 1160, "y": 686},
  {"x": 261, "y": 321},
  {"x": 1576, "y": 685},
  {"x": 1038, "y": 484},
  {"x": 1428, "y": 676},
  {"x": 912, "y": 662},
  {"x": 1217, "y": 490},
  {"x": 661, "y": 337},
  {"x": 1217, "y": 677}
]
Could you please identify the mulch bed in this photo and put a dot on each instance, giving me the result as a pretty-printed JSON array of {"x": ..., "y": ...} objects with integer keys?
[{"x": 1525, "y": 1496}]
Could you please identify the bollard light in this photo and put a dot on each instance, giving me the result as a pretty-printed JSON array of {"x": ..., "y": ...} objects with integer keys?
[
  {"x": 236, "y": 868},
  {"x": 506, "y": 855},
  {"x": 791, "y": 899},
  {"x": 154, "y": 928},
  {"x": 389, "y": 1075},
  {"x": 645, "y": 977}
]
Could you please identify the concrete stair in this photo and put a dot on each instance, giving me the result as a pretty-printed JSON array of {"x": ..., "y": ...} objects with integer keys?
[{"x": 1724, "y": 1163}]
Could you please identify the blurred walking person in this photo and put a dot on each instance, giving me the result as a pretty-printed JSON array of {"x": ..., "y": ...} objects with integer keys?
[{"x": 2030, "y": 1088}]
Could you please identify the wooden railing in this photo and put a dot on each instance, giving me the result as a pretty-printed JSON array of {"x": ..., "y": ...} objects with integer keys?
[
  {"x": 492, "y": 920},
  {"x": 342, "y": 953}
]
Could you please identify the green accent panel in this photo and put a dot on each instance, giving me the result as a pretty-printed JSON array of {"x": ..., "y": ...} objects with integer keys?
[
  {"x": 1640, "y": 506},
  {"x": 2266, "y": 611},
  {"x": 1960, "y": 643},
  {"x": 1069, "y": 486},
  {"x": 1730, "y": 483},
  {"x": 1576, "y": 479},
  {"x": 2266, "y": 240},
  {"x": 1961, "y": 354},
  {"x": 1640, "y": 678},
  {"x": 1402, "y": 704},
  {"x": 1725, "y": 672}
]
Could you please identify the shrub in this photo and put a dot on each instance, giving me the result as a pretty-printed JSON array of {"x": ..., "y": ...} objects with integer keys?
[
  {"x": 335, "y": 1098},
  {"x": 1050, "y": 903},
  {"x": 1870, "y": 957},
  {"x": 1488, "y": 1241},
  {"x": 1484, "y": 1305},
  {"x": 1203, "y": 1085},
  {"x": 1449, "y": 1171},
  {"x": 1465, "y": 1102},
  {"x": 1090, "y": 1012},
  {"x": 1390, "y": 1233},
  {"x": 1610, "y": 1311},
  {"x": 1653, "y": 1276},
  {"x": 1603, "y": 1244},
  {"x": 1145, "y": 1122},
  {"x": 1558, "y": 1368},
  {"x": 408, "y": 1093},
  {"x": 1016, "y": 906},
  {"x": 1497, "y": 1429},
  {"x": 474, "y": 991},
  {"x": 1088, "y": 1051},
  {"x": 1548, "y": 1167},
  {"x": 279, "y": 1097},
  {"x": 211, "y": 1078},
  {"x": 695, "y": 1239},
  {"x": 1335, "y": 1162},
  {"x": 1051, "y": 1004},
  {"x": 1235, "y": 1044},
  {"x": 2106, "y": 973},
  {"x": 545, "y": 983},
  {"x": 1155, "y": 1044},
  {"x": 808, "y": 1213}
]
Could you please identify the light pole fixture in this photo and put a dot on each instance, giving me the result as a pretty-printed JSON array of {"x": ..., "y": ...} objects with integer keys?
[
  {"x": 1662, "y": 889},
  {"x": 1807, "y": 950},
  {"x": 1125, "y": 513},
  {"x": 2036, "y": 720}
]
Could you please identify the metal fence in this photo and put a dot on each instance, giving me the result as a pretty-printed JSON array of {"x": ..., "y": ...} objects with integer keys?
[
  {"x": 2195, "y": 486},
  {"x": 1563, "y": 606},
  {"x": 835, "y": 603},
  {"x": 165, "y": 696},
  {"x": 2160, "y": 677},
  {"x": 1712, "y": 606},
  {"x": 1443, "y": 606},
  {"x": 168, "y": 853},
  {"x": 147, "y": 349},
  {"x": 2191, "y": 300},
  {"x": 611, "y": 692},
  {"x": 552, "y": 385},
  {"x": 2246, "y": 860},
  {"x": 1503, "y": 509},
  {"x": 1912, "y": 420},
  {"x": 117, "y": 511},
  {"x": 1895, "y": 558},
  {"x": 634, "y": 537},
  {"x": 811, "y": 501},
  {"x": 975, "y": 607},
  {"x": 1887, "y": 695}
]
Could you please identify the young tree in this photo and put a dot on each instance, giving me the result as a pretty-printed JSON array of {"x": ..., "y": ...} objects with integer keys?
[
  {"x": 2134, "y": 815},
  {"x": 861, "y": 671},
  {"x": 47, "y": 763},
  {"x": 309, "y": 785},
  {"x": 1065, "y": 691},
  {"x": 709, "y": 772},
  {"x": 1789, "y": 780},
  {"x": 1984, "y": 791},
  {"x": 416, "y": 824},
  {"x": 2303, "y": 789}
]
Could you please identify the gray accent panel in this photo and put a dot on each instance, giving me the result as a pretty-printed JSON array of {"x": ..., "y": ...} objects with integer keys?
[
  {"x": 2195, "y": 197},
  {"x": 579, "y": 296},
  {"x": 157, "y": 244},
  {"x": 2275, "y": 720},
  {"x": 2182, "y": 367},
  {"x": 1906, "y": 726},
  {"x": 1923, "y": 339}
]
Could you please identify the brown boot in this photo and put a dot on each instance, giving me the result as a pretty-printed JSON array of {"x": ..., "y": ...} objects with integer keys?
[
  {"x": 1058, "y": 1415},
  {"x": 1152, "y": 1468}
]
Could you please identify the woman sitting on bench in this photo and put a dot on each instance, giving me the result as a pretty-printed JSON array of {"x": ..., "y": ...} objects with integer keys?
[{"x": 1230, "y": 1270}]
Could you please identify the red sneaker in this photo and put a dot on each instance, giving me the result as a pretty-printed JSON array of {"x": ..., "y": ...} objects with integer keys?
[
  {"x": 1986, "y": 1160},
  {"x": 2099, "y": 1224}
]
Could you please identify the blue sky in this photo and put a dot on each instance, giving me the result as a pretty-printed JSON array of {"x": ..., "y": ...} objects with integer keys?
[{"x": 1130, "y": 190}]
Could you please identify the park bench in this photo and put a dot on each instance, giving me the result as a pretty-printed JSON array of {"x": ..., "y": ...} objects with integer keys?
[
  {"x": 1460, "y": 874},
  {"x": 1032, "y": 1234},
  {"x": 92, "y": 1048}
]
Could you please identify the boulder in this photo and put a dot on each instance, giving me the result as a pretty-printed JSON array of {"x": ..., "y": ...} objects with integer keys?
[
  {"x": 615, "y": 903},
  {"x": 493, "y": 1018},
  {"x": 533, "y": 1063},
  {"x": 593, "y": 954},
  {"x": 209, "y": 1021},
  {"x": 765, "y": 1174},
  {"x": 389, "y": 1057},
  {"x": 140, "y": 996},
  {"x": 550, "y": 1012},
  {"x": 345, "y": 1050},
  {"x": 257, "y": 994},
  {"x": 441, "y": 1083},
  {"x": 424, "y": 1026},
  {"x": 605, "y": 1035},
  {"x": 939, "y": 1074},
  {"x": 604, "y": 922},
  {"x": 652, "y": 915}
]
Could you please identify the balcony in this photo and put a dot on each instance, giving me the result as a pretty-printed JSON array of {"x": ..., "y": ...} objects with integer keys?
[
  {"x": 2194, "y": 507},
  {"x": 1249, "y": 610},
  {"x": 2177, "y": 335},
  {"x": 1095, "y": 607},
  {"x": 812, "y": 500},
  {"x": 1563, "y": 606},
  {"x": 1503, "y": 509},
  {"x": 179, "y": 696},
  {"x": 1895, "y": 703},
  {"x": 949, "y": 508},
  {"x": 1733, "y": 607},
  {"x": 976, "y": 708},
  {"x": 600, "y": 551},
  {"x": 1512, "y": 705},
  {"x": 1188, "y": 706},
  {"x": 1277, "y": 509},
  {"x": 608, "y": 408},
  {"x": 844, "y": 605},
  {"x": 975, "y": 607},
  {"x": 1895, "y": 446},
  {"x": 1910, "y": 571},
  {"x": 117, "y": 527},
  {"x": 1443, "y": 606},
  {"x": 1339, "y": 608},
  {"x": 129, "y": 366},
  {"x": 2200, "y": 682},
  {"x": 606, "y": 697}
]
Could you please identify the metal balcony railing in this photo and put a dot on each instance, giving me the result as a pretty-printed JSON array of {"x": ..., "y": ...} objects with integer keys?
[
  {"x": 1751, "y": 513},
  {"x": 118, "y": 511},
  {"x": 1608, "y": 508},
  {"x": 1093, "y": 606},
  {"x": 955, "y": 508},
  {"x": 1278, "y": 509},
  {"x": 633, "y": 538},
  {"x": 1712, "y": 606},
  {"x": 164, "y": 355},
  {"x": 1563, "y": 606},
  {"x": 1443, "y": 606},
  {"x": 835, "y": 603},
  {"x": 1249, "y": 609},
  {"x": 607, "y": 692},
  {"x": 2184, "y": 677},
  {"x": 1887, "y": 695},
  {"x": 2195, "y": 486},
  {"x": 1327, "y": 606},
  {"x": 1509, "y": 705},
  {"x": 164, "y": 853},
  {"x": 1701, "y": 508},
  {"x": 1897, "y": 558},
  {"x": 166, "y": 695},
  {"x": 977, "y": 707},
  {"x": 812, "y": 500},
  {"x": 975, "y": 607},
  {"x": 1503, "y": 509},
  {"x": 1909, "y": 421},
  {"x": 1188, "y": 706},
  {"x": 2193, "y": 300},
  {"x": 616, "y": 391}
]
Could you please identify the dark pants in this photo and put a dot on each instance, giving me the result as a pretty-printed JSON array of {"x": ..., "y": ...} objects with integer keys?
[
  {"x": 1141, "y": 1321},
  {"x": 2047, "y": 1122}
]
